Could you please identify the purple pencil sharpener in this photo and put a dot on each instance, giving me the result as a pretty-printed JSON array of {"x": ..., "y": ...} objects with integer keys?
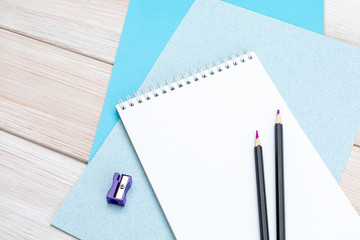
[{"x": 120, "y": 187}]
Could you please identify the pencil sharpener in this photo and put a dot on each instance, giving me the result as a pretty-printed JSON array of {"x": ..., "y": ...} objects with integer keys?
[{"x": 120, "y": 186}]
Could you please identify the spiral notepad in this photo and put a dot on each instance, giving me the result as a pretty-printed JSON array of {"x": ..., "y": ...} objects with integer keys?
[{"x": 194, "y": 137}]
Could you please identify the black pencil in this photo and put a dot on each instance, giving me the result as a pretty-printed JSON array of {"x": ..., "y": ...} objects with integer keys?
[
  {"x": 279, "y": 169},
  {"x": 261, "y": 193}
]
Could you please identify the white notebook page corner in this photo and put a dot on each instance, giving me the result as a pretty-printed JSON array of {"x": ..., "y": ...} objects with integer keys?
[{"x": 196, "y": 144}]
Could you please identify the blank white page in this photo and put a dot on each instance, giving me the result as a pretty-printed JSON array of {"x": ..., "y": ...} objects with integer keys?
[{"x": 196, "y": 144}]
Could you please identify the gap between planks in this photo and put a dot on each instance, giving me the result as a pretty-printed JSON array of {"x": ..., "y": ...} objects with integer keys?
[
  {"x": 61, "y": 47},
  {"x": 350, "y": 180},
  {"x": 42, "y": 145},
  {"x": 342, "y": 20},
  {"x": 50, "y": 95},
  {"x": 34, "y": 183},
  {"x": 357, "y": 141},
  {"x": 91, "y": 28}
]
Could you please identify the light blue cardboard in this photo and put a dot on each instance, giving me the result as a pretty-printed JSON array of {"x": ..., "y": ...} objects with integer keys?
[
  {"x": 149, "y": 26},
  {"x": 86, "y": 214},
  {"x": 317, "y": 76}
]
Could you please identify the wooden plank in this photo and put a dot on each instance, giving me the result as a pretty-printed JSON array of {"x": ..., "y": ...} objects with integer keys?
[
  {"x": 91, "y": 28},
  {"x": 50, "y": 95},
  {"x": 66, "y": 23},
  {"x": 350, "y": 180},
  {"x": 34, "y": 182},
  {"x": 342, "y": 20}
]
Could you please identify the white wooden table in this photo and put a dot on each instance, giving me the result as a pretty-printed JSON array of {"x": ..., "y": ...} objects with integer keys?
[{"x": 55, "y": 62}]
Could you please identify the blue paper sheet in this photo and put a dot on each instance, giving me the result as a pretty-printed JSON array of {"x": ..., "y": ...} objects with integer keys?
[
  {"x": 149, "y": 26},
  {"x": 147, "y": 29},
  {"x": 317, "y": 76},
  {"x": 308, "y": 14}
]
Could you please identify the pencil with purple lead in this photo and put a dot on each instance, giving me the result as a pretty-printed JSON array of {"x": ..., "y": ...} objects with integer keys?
[
  {"x": 279, "y": 175},
  {"x": 261, "y": 191},
  {"x": 278, "y": 118}
]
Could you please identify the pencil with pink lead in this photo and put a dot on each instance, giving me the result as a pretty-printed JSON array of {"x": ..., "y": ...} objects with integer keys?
[{"x": 261, "y": 192}]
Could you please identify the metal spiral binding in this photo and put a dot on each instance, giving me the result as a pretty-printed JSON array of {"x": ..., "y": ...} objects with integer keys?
[{"x": 186, "y": 79}]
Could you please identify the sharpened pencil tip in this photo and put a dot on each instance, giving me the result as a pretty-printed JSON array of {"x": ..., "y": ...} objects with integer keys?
[
  {"x": 257, "y": 140},
  {"x": 278, "y": 118}
]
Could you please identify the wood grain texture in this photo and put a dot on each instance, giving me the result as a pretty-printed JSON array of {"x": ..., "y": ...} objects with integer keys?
[
  {"x": 91, "y": 28},
  {"x": 342, "y": 20},
  {"x": 50, "y": 95},
  {"x": 34, "y": 182},
  {"x": 350, "y": 180}
]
